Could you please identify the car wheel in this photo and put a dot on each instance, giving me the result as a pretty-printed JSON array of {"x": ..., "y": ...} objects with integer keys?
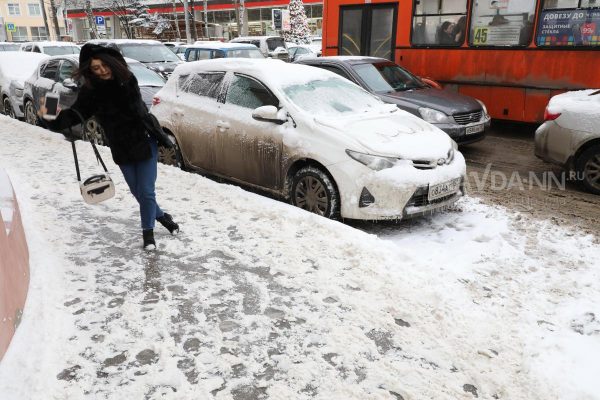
[
  {"x": 8, "y": 110},
  {"x": 93, "y": 132},
  {"x": 30, "y": 113},
  {"x": 588, "y": 168},
  {"x": 170, "y": 156},
  {"x": 313, "y": 190}
]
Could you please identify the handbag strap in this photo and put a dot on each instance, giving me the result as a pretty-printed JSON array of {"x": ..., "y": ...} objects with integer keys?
[{"x": 98, "y": 157}]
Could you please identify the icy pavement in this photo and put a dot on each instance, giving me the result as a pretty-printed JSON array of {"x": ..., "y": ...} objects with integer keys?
[{"x": 259, "y": 300}]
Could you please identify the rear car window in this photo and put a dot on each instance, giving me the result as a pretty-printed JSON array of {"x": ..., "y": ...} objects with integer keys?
[{"x": 203, "y": 84}]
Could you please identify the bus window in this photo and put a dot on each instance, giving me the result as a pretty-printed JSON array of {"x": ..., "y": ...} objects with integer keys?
[
  {"x": 439, "y": 22},
  {"x": 576, "y": 24},
  {"x": 502, "y": 23}
]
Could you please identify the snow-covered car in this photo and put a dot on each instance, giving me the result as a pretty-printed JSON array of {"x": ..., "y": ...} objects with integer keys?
[
  {"x": 316, "y": 43},
  {"x": 306, "y": 134},
  {"x": 464, "y": 118},
  {"x": 151, "y": 53},
  {"x": 212, "y": 50},
  {"x": 10, "y": 46},
  {"x": 55, "y": 75},
  {"x": 570, "y": 136},
  {"x": 15, "y": 68},
  {"x": 270, "y": 46},
  {"x": 300, "y": 51},
  {"x": 179, "y": 50},
  {"x": 51, "y": 48}
]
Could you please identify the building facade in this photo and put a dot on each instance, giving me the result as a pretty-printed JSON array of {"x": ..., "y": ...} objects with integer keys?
[
  {"x": 213, "y": 19},
  {"x": 23, "y": 21}
]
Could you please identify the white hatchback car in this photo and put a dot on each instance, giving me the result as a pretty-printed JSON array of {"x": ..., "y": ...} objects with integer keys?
[
  {"x": 306, "y": 134},
  {"x": 570, "y": 136}
]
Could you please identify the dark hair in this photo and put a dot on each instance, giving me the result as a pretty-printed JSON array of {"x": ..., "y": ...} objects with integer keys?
[
  {"x": 119, "y": 69},
  {"x": 445, "y": 25}
]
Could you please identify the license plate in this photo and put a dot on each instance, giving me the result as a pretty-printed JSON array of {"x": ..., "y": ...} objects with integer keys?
[
  {"x": 474, "y": 129},
  {"x": 443, "y": 189}
]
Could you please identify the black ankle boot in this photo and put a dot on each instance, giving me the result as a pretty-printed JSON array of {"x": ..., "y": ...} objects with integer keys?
[
  {"x": 149, "y": 243},
  {"x": 167, "y": 221}
]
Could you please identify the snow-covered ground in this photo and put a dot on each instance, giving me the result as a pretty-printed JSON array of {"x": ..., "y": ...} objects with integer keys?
[{"x": 257, "y": 299}]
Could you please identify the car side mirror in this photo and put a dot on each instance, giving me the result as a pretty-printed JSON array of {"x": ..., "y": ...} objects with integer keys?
[
  {"x": 267, "y": 114},
  {"x": 70, "y": 84},
  {"x": 431, "y": 82}
]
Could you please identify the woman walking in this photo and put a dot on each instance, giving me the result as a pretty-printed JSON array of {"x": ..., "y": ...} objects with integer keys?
[{"x": 110, "y": 92}]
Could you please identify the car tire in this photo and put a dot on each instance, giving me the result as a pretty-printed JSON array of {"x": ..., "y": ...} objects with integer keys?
[
  {"x": 31, "y": 114},
  {"x": 8, "y": 110},
  {"x": 171, "y": 156},
  {"x": 93, "y": 132},
  {"x": 588, "y": 169},
  {"x": 313, "y": 190}
]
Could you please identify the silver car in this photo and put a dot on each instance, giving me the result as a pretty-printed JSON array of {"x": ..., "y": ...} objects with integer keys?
[{"x": 570, "y": 136}]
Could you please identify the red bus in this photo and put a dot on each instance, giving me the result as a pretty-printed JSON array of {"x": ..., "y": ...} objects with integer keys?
[{"x": 511, "y": 54}]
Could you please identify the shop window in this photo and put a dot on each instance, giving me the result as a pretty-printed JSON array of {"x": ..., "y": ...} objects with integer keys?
[
  {"x": 253, "y": 14},
  {"x": 20, "y": 35},
  {"x": 576, "y": 24},
  {"x": 39, "y": 33},
  {"x": 502, "y": 23},
  {"x": 439, "y": 22}
]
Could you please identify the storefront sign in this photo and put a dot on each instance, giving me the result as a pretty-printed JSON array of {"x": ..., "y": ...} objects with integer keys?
[{"x": 569, "y": 28}]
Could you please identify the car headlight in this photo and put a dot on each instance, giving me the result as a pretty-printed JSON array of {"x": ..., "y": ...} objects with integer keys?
[
  {"x": 434, "y": 116},
  {"x": 485, "y": 111},
  {"x": 376, "y": 163}
]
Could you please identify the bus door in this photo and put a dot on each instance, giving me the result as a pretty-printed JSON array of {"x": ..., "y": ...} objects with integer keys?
[{"x": 368, "y": 30}]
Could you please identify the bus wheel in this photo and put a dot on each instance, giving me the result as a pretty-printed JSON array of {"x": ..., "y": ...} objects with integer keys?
[{"x": 588, "y": 167}]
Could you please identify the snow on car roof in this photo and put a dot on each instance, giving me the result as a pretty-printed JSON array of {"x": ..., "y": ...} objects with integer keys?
[
  {"x": 220, "y": 45},
  {"x": 18, "y": 65},
  {"x": 274, "y": 71},
  {"x": 253, "y": 37},
  {"x": 52, "y": 43},
  {"x": 125, "y": 41}
]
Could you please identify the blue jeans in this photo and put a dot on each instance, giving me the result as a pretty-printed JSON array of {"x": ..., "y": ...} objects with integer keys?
[{"x": 141, "y": 177}]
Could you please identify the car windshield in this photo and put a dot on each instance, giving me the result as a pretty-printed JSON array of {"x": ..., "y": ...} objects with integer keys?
[
  {"x": 245, "y": 53},
  {"x": 387, "y": 77},
  {"x": 332, "y": 97},
  {"x": 148, "y": 53},
  {"x": 274, "y": 43},
  {"x": 145, "y": 76},
  {"x": 61, "y": 50}
]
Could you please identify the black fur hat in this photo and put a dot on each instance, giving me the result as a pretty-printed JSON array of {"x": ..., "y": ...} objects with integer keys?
[{"x": 89, "y": 50}]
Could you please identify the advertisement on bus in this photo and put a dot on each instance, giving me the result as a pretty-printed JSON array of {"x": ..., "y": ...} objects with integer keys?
[{"x": 569, "y": 28}]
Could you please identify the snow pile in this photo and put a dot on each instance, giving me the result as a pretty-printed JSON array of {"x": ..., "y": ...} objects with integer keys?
[
  {"x": 259, "y": 300},
  {"x": 579, "y": 109}
]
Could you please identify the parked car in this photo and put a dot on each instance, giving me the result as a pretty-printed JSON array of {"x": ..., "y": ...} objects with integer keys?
[
  {"x": 300, "y": 51},
  {"x": 179, "y": 50},
  {"x": 306, "y": 134},
  {"x": 211, "y": 50},
  {"x": 270, "y": 46},
  {"x": 15, "y": 68},
  {"x": 10, "y": 46},
  {"x": 152, "y": 53},
  {"x": 570, "y": 136},
  {"x": 463, "y": 118},
  {"x": 171, "y": 45},
  {"x": 316, "y": 44},
  {"x": 51, "y": 48},
  {"x": 55, "y": 75}
]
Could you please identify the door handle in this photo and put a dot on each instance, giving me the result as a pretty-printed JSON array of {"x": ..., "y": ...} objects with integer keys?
[{"x": 223, "y": 125}]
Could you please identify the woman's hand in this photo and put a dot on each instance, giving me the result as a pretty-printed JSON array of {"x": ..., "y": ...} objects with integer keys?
[{"x": 42, "y": 110}]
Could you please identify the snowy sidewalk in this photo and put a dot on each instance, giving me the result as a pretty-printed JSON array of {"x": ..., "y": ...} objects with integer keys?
[{"x": 257, "y": 299}]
